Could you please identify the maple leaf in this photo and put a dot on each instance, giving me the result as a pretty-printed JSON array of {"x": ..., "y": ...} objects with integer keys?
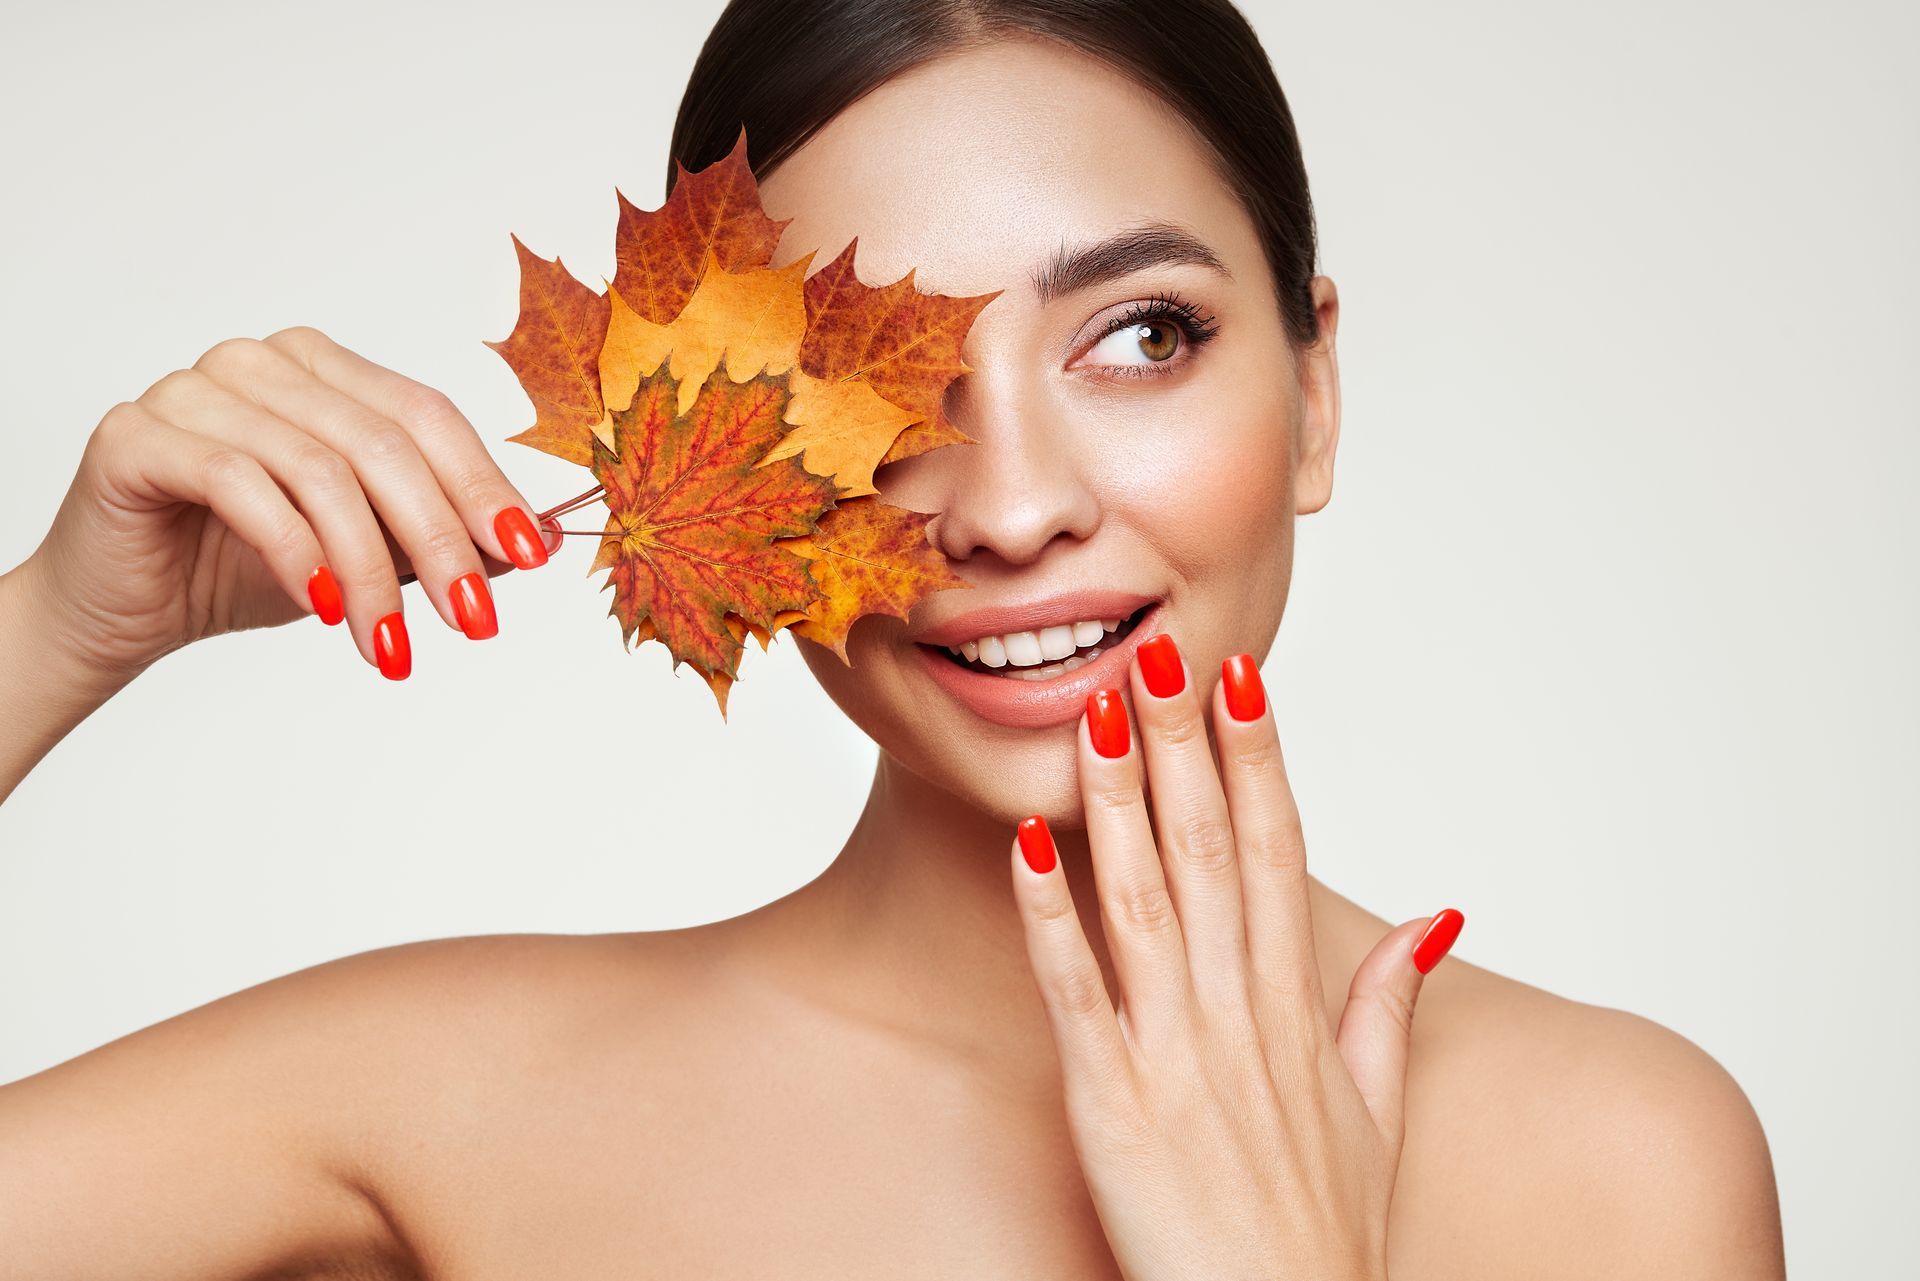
[
  {"x": 554, "y": 349},
  {"x": 904, "y": 343},
  {"x": 661, "y": 255},
  {"x": 869, "y": 558},
  {"x": 692, "y": 519},
  {"x": 754, "y": 320},
  {"x": 734, "y": 414}
]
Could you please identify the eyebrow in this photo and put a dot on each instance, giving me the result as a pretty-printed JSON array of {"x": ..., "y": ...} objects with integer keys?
[{"x": 1152, "y": 244}]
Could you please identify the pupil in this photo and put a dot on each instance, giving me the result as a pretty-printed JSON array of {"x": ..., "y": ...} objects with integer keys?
[{"x": 1157, "y": 341}]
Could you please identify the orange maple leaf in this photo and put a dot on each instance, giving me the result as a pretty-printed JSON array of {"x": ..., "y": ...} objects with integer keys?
[
  {"x": 661, "y": 254},
  {"x": 692, "y": 519},
  {"x": 869, "y": 558},
  {"x": 724, "y": 405},
  {"x": 904, "y": 343},
  {"x": 555, "y": 350}
]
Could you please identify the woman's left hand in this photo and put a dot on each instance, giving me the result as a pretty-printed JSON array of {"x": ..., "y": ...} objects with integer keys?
[{"x": 1225, "y": 1130}]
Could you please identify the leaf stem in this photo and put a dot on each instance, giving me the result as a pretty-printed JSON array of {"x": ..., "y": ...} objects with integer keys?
[{"x": 572, "y": 503}]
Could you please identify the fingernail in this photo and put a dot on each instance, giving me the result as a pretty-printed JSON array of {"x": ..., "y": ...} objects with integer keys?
[
  {"x": 390, "y": 647},
  {"x": 473, "y": 606},
  {"x": 550, "y": 534},
  {"x": 1246, "y": 696},
  {"x": 1107, "y": 722},
  {"x": 1160, "y": 666},
  {"x": 325, "y": 595},
  {"x": 514, "y": 528},
  {"x": 1441, "y": 933},
  {"x": 1036, "y": 844}
]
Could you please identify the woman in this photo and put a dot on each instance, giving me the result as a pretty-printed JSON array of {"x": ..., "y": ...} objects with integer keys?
[{"x": 1167, "y": 1052}]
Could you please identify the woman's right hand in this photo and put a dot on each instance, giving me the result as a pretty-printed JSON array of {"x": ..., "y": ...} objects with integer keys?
[{"x": 276, "y": 478}]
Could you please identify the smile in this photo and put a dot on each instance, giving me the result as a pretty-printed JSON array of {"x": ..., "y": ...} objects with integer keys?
[{"x": 1032, "y": 666}]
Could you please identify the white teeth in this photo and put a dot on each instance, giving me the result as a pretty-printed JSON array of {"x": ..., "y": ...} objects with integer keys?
[
  {"x": 1042, "y": 653},
  {"x": 1057, "y": 642},
  {"x": 1023, "y": 649}
]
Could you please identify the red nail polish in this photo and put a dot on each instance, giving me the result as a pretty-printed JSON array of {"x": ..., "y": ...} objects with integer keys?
[
  {"x": 514, "y": 528},
  {"x": 325, "y": 595},
  {"x": 1160, "y": 666},
  {"x": 1441, "y": 933},
  {"x": 473, "y": 606},
  {"x": 1246, "y": 696},
  {"x": 1036, "y": 844},
  {"x": 1107, "y": 722},
  {"x": 391, "y": 648}
]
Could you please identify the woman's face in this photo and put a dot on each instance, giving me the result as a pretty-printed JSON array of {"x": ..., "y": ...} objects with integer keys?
[{"x": 1126, "y": 464}]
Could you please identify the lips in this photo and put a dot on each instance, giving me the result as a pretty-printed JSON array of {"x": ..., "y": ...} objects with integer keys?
[{"x": 1026, "y": 703}]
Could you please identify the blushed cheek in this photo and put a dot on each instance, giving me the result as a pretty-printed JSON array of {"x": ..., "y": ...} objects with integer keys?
[{"x": 1216, "y": 499}]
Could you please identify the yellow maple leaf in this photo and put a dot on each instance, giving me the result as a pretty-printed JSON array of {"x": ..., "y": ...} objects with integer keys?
[{"x": 753, "y": 320}]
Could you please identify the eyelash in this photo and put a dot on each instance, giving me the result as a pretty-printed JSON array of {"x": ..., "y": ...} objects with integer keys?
[{"x": 1196, "y": 330}]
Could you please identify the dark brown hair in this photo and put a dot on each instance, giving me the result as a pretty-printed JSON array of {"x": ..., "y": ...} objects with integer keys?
[{"x": 784, "y": 68}]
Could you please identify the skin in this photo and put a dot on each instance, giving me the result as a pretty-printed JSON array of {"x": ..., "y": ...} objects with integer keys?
[{"x": 880, "y": 1066}]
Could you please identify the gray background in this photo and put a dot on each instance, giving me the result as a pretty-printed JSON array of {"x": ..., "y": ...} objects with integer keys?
[{"x": 1606, "y": 638}]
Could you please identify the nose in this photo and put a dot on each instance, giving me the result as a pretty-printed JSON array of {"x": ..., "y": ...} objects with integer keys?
[{"x": 1022, "y": 484}]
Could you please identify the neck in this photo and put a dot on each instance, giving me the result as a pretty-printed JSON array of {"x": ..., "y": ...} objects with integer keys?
[{"x": 915, "y": 926}]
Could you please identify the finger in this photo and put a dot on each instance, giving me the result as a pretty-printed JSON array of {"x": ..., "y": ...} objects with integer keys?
[
  {"x": 405, "y": 493},
  {"x": 1085, "y": 1029},
  {"x": 320, "y": 482},
  {"x": 1284, "y": 969},
  {"x": 1143, "y": 934},
  {"x": 1376, "y": 1026},
  {"x": 498, "y": 517},
  {"x": 1191, "y": 822},
  {"x": 157, "y": 465}
]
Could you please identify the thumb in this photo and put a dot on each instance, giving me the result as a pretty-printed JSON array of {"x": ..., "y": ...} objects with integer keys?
[{"x": 1377, "y": 1024}]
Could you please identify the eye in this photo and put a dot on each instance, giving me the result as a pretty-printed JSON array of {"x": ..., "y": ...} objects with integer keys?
[{"x": 1153, "y": 337}]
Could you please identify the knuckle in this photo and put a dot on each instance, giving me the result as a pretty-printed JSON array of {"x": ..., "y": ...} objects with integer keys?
[
  {"x": 1260, "y": 757},
  {"x": 426, "y": 406},
  {"x": 1397, "y": 1005},
  {"x": 320, "y": 468},
  {"x": 228, "y": 470},
  {"x": 232, "y": 355},
  {"x": 446, "y": 544},
  {"x": 1144, "y": 907},
  {"x": 1114, "y": 798},
  {"x": 1180, "y": 729},
  {"x": 1206, "y": 844},
  {"x": 298, "y": 338},
  {"x": 382, "y": 443},
  {"x": 1078, "y": 991},
  {"x": 1282, "y": 854},
  {"x": 175, "y": 388},
  {"x": 117, "y": 423},
  {"x": 1053, "y": 911}
]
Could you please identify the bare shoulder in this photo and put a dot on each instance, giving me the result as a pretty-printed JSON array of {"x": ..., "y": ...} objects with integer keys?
[
  {"x": 283, "y": 1122},
  {"x": 1582, "y": 1140}
]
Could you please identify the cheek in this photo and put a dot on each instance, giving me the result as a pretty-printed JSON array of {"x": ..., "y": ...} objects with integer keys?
[{"x": 1215, "y": 495}]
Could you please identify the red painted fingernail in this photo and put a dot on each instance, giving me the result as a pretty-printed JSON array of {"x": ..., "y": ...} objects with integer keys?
[
  {"x": 1441, "y": 933},
  {"x": 550, "y": 534},
  {"x": 1246, "y": 696},
  {"x": 473, "y": 606},
  {"x": 325, "y": 595},
  {"x": 1160, "y": 666},
  {"x": 514, "y": 528},
  {"x": 1107, "y": 722},
  {"x": 1036, "y": 844},
  {"x": 391, "y": 648}
]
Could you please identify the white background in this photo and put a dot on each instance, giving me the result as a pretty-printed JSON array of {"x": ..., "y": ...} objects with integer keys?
[{"x": 1607, "y": 636}]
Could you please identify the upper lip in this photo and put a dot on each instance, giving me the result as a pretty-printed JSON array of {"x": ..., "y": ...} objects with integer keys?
[{"x": 1028, "y": 616}]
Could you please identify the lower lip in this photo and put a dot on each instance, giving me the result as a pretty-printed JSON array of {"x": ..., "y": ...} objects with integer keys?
[{"x": 1025, "y": 704}]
